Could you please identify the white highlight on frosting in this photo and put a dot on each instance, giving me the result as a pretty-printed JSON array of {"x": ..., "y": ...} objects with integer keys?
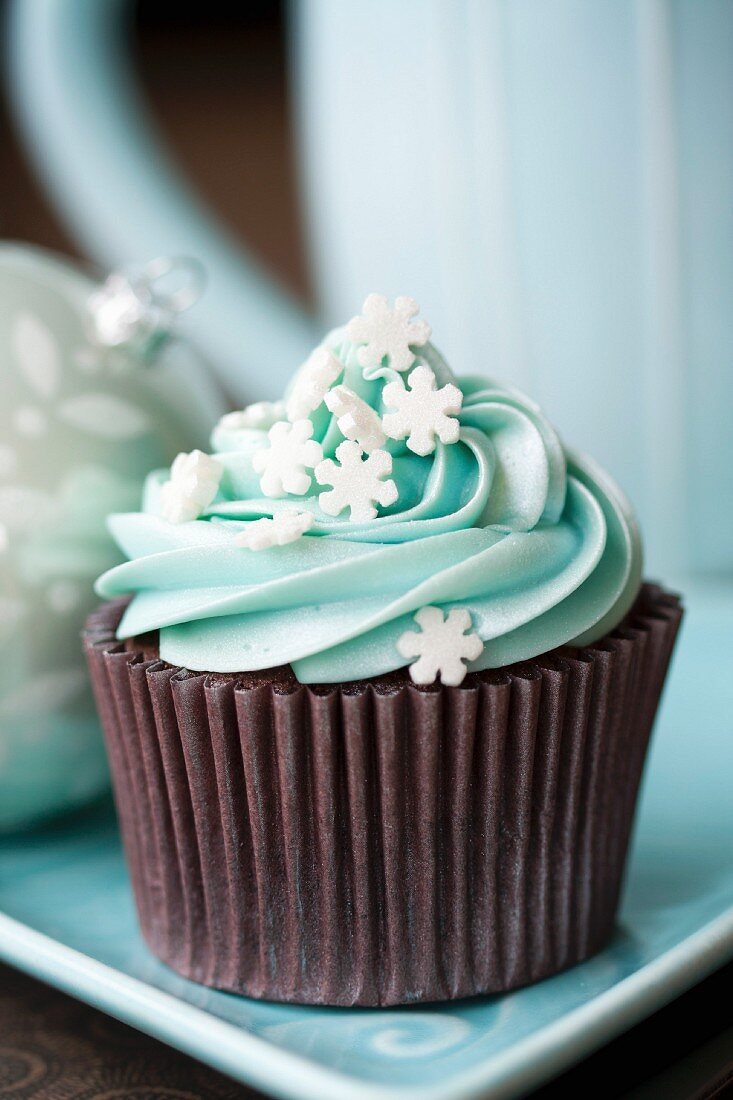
[
  {"x": 283, "y": 464},
  {"x": 283, "y": 528},
  {"x": 314, "y": 379},
  {"x": 442, "y": 645},
  {"x": 422, "y": 411},
  {"x": 357, "y": 482},
  {"x": 356, "y": 420},
  {"x": 193, "y": 484},
  {"x": 388, "y": 332},
  {"x": 259, "y": 416}
]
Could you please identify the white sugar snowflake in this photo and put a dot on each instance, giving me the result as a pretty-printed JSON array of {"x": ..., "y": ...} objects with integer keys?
[
  {"x": 356, "y": 482},
  {"x": 422, "y": 411},
  {"x": 283, "y": 528},
  {"x": 283, "y": 464},
  {"x": 260, "y": 416},
  {"x": 386, "y": 332},
  {"x": 356, "y": 420},
  {"x": 314, "y": 379},
  {"x": 193, "y": 484},
  {"x": 442, "y": 645}
]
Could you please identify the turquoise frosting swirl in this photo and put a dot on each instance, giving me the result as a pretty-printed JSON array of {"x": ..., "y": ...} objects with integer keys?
[{"x": 535, "y": 541}]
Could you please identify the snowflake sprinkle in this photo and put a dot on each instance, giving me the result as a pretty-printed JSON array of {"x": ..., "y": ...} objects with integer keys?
[
  {"x": 356, "y": 420},
  {"x": 314, "y": 379},
  {"x": 193, "y": 484},
  {"x": 284, "y": 527},
  {"x": 356, "y": 482},
  {"x": 283, "y": 464},
  {"x": 442, "y": 645},
  {"x": 388, "y": 332},
  {"x": 260, "y": 416},
  {"x": 422, "y": 411}
]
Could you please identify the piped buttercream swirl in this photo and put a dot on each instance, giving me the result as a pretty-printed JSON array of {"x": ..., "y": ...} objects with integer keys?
[{"x": 535, "y": 541}]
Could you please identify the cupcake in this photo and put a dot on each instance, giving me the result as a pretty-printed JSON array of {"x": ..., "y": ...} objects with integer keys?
[{"x": 377, "y": 681}]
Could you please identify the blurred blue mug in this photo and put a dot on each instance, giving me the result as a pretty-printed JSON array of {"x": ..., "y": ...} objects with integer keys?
[{"x": 552, "y": 180}]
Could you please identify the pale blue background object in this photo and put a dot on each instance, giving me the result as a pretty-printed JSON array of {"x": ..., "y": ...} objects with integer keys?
[
  {"x": 552, "y": 179},
  {"x": 69, "y": 919},
  {"x": 85, "y": 124}
]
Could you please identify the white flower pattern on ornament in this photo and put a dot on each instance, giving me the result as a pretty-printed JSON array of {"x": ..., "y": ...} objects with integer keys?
[
  {"x": 260, "y": 416},
  {"x": 387, "y": 333},
  {"x": 422, "y": 411},
  {"x": 357, "y": 482},
  {"x": 41, "y": 364},
  {"x": 284, "y": 463},
  {"x": 355, "y": 419},
  {"x": 442, "y": 645},
  {"x": 8, "y": 461},
  {"x": 314, "y": 379},
  {"x": 284, "y": 527},
  {"x": 193, "y": 484}
]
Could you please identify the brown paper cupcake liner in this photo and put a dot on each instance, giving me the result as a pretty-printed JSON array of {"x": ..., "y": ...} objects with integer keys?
[{"x": 377, "y": 843}]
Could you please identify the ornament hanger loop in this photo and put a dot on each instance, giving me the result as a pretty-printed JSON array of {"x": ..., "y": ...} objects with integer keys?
[
  {"x": 136, "y": 308},
  {"x": 184, "y": 269}
]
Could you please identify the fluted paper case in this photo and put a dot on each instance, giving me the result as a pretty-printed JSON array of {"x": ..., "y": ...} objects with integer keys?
[{"x": 376, "y": 843}]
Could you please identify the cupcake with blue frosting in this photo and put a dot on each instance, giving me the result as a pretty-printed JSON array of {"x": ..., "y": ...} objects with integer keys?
[{"x": 377, "y": 680}]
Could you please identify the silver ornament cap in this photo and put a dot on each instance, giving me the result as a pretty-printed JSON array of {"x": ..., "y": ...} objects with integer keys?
[{"x": 135, "y": 309}]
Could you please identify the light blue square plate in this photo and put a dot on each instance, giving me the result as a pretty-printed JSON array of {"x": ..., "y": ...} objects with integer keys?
[{"x": 68, "y": 918}]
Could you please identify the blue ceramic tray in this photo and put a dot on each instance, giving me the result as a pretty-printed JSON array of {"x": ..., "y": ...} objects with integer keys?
[{"x": 69, "y": 920}]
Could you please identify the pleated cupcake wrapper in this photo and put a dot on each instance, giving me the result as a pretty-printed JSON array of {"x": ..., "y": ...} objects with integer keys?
[{"x": 379, "y": 843}]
